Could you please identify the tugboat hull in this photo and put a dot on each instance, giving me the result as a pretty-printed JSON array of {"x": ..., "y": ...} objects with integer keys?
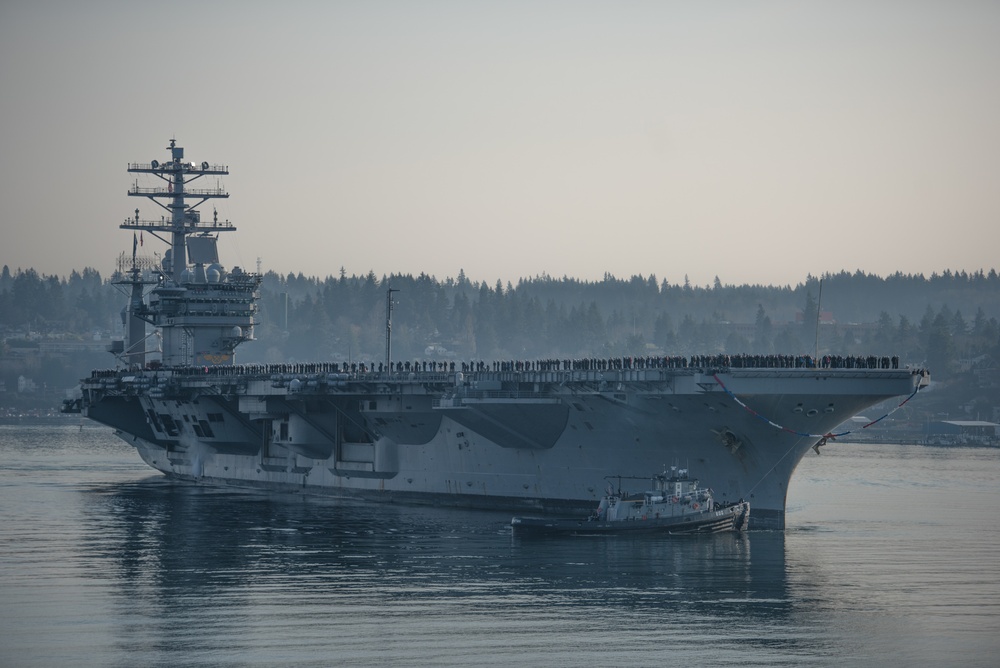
[{"x": 731, "y": 518}]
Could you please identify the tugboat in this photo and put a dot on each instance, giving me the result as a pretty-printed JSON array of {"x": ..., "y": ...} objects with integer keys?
[{"x": 674, "y": 505}]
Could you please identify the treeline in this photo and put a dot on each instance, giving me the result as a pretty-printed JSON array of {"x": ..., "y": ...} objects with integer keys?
[
  {"x": 934, "y": 321},
  {"x": 82, "y": 303}
]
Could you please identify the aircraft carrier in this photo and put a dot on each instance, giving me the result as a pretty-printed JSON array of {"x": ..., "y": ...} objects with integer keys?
[{"x": 538, "y": 436}]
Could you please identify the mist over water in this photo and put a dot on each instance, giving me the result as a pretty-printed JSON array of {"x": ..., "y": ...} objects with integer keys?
[{"x": 888, "y": 559}]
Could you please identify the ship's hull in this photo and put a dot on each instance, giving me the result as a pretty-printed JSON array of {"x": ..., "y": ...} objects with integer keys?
[{"x": 539, "y": 441}]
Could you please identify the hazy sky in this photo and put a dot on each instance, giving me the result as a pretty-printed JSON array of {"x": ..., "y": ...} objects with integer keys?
[{"x": 754, "y": 141}]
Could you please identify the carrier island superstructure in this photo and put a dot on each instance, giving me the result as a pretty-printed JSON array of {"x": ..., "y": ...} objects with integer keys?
[{"x": 527, "y": 437}]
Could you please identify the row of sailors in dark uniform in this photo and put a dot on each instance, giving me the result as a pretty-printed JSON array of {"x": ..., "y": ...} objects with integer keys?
[
  {"x": 744, "y": 361},
  {"x": 695, "y": 361}
]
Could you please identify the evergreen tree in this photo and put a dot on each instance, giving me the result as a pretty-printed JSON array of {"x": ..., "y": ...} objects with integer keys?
[
  {"x": 763, "y": 335},
  {"x": 663, "y": 332},
  {"x": 886, "y": 332},
  {"x": 979, "y": 322},
  {"x": 810, "y": 318},
  {"x": 958, "y": 325},
  {"x": 940, "y": 346}
]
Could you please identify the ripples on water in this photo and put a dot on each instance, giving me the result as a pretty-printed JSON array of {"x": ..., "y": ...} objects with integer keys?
[{"x": 889, "y": 559}]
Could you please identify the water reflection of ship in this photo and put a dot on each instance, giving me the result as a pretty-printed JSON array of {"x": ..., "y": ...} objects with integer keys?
[{"x": 182, "y": 550}]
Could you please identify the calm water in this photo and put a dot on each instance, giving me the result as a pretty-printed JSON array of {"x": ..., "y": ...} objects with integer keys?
[{"x": 891, "y": 557}]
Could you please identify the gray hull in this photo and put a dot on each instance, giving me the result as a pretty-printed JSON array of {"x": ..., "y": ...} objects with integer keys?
[{"x": 541, "y": 441}]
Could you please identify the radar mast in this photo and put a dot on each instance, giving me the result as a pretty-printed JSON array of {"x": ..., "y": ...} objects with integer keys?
[{"x": 202, "y": 311}]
